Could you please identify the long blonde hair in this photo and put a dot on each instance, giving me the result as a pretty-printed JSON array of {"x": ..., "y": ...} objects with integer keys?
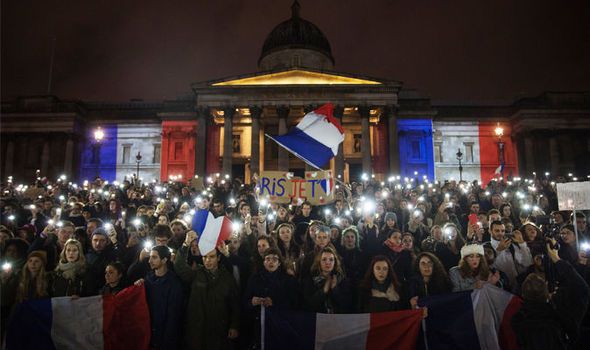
[
  {"x": 72, "y": 241},
  {"x": 39, "y": 282}
]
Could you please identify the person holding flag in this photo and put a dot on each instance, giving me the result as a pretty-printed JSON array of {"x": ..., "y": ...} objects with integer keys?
[{"x": 213, "y": 311}]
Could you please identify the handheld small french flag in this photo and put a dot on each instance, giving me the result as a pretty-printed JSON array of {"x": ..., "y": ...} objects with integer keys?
[
  {"x": 315, "y": 139},
  {"x": 212, "y": 231}
]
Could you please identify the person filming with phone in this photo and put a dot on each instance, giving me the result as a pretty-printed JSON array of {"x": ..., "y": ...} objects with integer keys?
[{"x": 512, "y": 254}]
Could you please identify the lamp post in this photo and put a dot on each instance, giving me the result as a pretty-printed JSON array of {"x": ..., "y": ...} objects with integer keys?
[
  {"x": 98, "y": 137},
  {"x": 137, "y": 160},
  {"x": 499, "y": 131},
  {"x": 460, "y": 158}
]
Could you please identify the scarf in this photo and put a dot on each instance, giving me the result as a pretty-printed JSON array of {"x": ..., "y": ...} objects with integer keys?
[
  {"x": 395, "y": 247},
  {"x": 389, "y": 293},
  {"x": 70, "y": 269}
]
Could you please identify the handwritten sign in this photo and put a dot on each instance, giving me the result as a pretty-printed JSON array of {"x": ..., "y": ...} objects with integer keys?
[
  {"x": 574, "y": 195},
  {"x": 317, "y": 187}
]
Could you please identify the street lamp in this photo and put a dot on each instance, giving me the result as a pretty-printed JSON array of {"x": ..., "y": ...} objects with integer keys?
[
  {"x": 98, "y": 137},
  {"x": 499, "y": 131},
  {"x": 138, "y": 160},
  {"x": 460, "y": 158}
]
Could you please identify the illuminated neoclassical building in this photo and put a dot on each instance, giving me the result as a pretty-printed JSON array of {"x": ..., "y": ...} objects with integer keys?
[{"x": 220, "y": 126}]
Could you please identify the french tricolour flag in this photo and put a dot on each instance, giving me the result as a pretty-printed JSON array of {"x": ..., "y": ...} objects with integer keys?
[
  {"x": 303, "y": 330},
  {"x": 212, "y": 231},
  {"x": 478, "y": 319},
  {"x": 316, "y": 138},
  {"x": 100, "y": 322}
]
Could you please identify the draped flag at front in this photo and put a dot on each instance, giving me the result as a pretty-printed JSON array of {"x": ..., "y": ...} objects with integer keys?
[
  {"x": 316, "y": 138},
  {"x": 478, "y": 319},
  {"x": 107, "y": 322},
  {"x": 305, "y": 330}
]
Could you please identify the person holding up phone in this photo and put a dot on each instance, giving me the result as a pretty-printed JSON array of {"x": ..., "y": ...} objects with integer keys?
[
  {"x": 513, "y": 254},
  {"x": 552, "y": 320}
]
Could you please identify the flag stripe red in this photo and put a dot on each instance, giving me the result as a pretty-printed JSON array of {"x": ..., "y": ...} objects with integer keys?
[{"x": 394, "y": 330}]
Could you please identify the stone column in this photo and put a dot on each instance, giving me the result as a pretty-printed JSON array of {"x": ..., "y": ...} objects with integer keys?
[
  {"x": 9, "y": 160},
  {"x": 69, "y": 156},
  {"x": 339, "y": 160},
  {"x": 529, "y": 153},
  {"x": 203, "y": 115},
  {"x": 255, "y": 113},
  {"x": 393, "y": 142},
  {"x": 365, "y": 113},
  {"x": 45, "y": 152},
  {"x": 283, "y": 113},
  {"x": 228, "y": 125},
  {"x": 554, "y": 155}
]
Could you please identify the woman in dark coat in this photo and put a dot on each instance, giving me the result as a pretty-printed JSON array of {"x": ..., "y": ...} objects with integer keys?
[
  {"x": 70, "y": 277},
  {"x": 380, "y": 290},
  {"x": 327, "y": 290},
  {"x": 430, "y": 278},
  {"x": 400, "y": 258}
]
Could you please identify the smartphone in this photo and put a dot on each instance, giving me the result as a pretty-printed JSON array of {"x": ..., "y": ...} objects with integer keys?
[{"x": 472, "y": 219}]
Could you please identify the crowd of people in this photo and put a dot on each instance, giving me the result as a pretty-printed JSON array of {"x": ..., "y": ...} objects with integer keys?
[{"x": 379, "y": 246}]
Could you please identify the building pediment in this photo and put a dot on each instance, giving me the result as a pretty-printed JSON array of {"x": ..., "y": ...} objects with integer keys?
[{"x": 296, "y": 77}]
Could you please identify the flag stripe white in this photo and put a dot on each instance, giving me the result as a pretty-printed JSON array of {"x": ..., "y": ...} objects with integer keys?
[
  {"x": 319, "y": 128},
  {"x": 77, "y": 323},
  {"x": 208, "y": 239},
  {"x": 488, "y": 315},
  {"x": 347, "y": 331}
]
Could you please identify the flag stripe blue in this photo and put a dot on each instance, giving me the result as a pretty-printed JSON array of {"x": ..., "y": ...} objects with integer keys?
[
  {"x": 305, "y": 147},
  {"x": 199, "y": 221},
  {"x": 30, "y": 326},
  {"x": 289, "y": 330},
  {"x": 450, "y": 323}
]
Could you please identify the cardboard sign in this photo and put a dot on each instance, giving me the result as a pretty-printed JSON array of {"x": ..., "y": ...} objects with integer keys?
[
  {"x": 574, "y": 195},
  {"x": 283, "y": 187},
  {"x": 197, "y": 183}
]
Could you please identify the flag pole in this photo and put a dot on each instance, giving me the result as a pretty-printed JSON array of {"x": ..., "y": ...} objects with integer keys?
[
  {"x": 576, "y": 227},
  {"x": 424, "y": 333},
  {"x": 262, "y": 328}
]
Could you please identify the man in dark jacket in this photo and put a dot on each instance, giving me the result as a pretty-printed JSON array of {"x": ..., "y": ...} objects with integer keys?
[
  {"x": 213, "y": 311},
  {"x": 552, "y": 321},
  {"x": 165, "y": 300}
]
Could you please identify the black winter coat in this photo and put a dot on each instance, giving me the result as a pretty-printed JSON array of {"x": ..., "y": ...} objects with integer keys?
[
  {"x": 166, "y": 303},
  {"x": 545, "y": 325}
]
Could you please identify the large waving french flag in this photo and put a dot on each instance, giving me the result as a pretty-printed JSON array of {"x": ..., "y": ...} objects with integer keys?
[
  {"x": 288, "y": 330},
  {"x": 211, "y": 230},
  {"x": 100, "y": 322},
  {"x": 316, "y": 138}
]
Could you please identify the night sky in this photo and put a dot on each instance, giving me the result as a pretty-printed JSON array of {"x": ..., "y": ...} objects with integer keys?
[{"x": 453, "y": 51}]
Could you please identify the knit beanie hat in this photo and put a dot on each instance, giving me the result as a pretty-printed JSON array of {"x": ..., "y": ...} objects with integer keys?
[
  {"x": 469, "y": 249},
  {"x": 41, "y": 254},
  {"x": 390, "y": 216}
]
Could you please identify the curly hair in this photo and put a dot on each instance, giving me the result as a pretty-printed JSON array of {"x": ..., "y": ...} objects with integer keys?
[{"x": 439, "y": 279}]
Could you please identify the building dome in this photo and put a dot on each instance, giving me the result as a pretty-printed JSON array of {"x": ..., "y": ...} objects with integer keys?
[{"x": 296, "y": 42}]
